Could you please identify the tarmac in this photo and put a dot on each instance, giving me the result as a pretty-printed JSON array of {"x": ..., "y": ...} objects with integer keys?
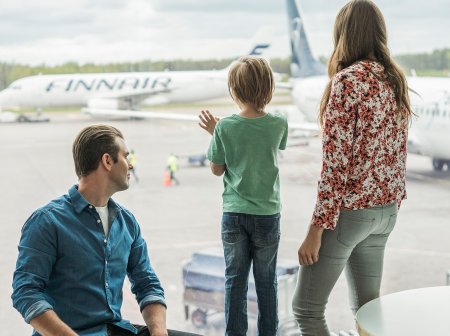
[{"x": 37, "y": 166}]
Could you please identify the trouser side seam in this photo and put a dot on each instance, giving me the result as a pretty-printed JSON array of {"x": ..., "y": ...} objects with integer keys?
[
  {"x": 354, "y": 282},
  {"x": 308, "y": 296}
]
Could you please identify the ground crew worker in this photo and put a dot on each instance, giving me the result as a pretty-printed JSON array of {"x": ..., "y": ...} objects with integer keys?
[
  {"x": 133, "y": 160},
  {"x": 172, "y": 165}
]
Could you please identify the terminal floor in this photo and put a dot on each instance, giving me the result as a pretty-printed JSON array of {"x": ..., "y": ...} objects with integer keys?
[{"x": 36, "y": 166}]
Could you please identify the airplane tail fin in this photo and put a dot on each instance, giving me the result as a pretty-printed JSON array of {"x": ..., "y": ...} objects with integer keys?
[
  {"x": 303, "y": 63},
  {"x": 260, "y": 44}
]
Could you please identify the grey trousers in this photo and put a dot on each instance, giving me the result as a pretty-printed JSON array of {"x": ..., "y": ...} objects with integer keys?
[{"x": 357, "y": 244}]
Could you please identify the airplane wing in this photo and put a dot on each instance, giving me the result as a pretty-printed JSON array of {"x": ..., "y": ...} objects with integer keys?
[
  {"x": 140, "y": 114},
  {"x": 283, "y": 85},
  {"x": 304, "y": 126}
]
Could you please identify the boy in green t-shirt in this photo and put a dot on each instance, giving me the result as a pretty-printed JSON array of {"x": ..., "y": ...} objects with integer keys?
[{"x": 244, "y": 147}]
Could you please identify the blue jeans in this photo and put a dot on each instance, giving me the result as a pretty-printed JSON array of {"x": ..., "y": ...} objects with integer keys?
[{"x": 248, "y": 238}]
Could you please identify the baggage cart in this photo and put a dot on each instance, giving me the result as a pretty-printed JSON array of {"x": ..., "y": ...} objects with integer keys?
[{"x": 204, "y": 295}]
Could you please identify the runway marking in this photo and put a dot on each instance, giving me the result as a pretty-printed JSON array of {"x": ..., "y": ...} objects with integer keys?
[
  {"x": 427, "y": 178},
  {"x": 391, "y": 249}
]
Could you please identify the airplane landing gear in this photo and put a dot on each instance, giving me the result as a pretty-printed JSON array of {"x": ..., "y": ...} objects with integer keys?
[{"x": 438, "y": 164}]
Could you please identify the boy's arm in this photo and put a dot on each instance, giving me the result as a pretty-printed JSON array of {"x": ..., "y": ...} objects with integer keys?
[
  {"x": 216, "y": 151},
  {"x": 218, "y": 170}
]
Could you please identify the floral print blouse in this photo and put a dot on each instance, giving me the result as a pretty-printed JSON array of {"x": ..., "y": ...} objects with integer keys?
[{"x": 364, "y": 150}]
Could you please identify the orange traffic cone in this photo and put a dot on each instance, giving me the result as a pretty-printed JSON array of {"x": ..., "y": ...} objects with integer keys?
[{"x": 167, "y": 180}]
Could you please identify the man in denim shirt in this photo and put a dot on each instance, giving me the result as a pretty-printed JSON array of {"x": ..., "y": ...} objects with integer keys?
[{"x": 74, "y": 252}]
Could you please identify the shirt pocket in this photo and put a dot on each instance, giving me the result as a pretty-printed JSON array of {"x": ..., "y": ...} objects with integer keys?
[
  {"x": 353, "y": 230},
  {"x": 267, "y": 230},
  {"x": 230, "y": 229}
]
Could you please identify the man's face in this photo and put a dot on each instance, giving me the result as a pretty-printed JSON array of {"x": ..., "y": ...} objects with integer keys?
[{"x": 120, "y": 172}]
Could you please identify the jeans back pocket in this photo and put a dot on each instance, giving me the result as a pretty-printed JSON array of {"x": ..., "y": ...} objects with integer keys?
[
  {"x": 391, "y": 224},
  {"x": 353, "y": 230},
  {"x": 230, "y": 229},
  {"x": 267, "y": 230}
]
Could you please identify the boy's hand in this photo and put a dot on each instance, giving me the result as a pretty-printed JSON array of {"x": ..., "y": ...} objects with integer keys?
[{"x": 209, "y": 122}]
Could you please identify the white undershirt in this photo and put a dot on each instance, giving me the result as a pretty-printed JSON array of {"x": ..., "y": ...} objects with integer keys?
[{"x": 104, "y": 214}]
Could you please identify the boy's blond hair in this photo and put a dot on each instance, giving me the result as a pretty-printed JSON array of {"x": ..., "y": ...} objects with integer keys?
[{"x": 250, "y": 81}]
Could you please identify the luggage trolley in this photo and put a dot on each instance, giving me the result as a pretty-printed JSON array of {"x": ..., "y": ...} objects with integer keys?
[{"x": 204, "y": 295}]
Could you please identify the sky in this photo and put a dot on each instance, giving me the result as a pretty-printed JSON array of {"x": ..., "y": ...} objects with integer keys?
[{"x": 103, "y": 31}]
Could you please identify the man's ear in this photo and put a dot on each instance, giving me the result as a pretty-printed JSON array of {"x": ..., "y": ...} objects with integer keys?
[{"x": 107, "y": 161}]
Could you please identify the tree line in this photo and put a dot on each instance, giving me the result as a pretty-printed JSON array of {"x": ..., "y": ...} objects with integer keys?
[{"x": 436, "y": 63}]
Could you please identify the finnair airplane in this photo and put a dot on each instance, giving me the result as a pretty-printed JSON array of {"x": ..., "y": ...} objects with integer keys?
[
  {"x": 430, "y": 133},
  {"x": 126, "y": 90}
]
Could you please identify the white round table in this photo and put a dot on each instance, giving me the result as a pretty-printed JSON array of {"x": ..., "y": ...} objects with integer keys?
[{"x": 417, "y": 312}]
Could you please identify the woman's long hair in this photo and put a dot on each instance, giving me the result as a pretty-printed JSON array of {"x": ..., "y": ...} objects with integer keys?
[{"x": 360, "y": 35}]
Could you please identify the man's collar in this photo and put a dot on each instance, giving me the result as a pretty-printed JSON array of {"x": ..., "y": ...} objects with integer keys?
[
  {"x": 79, "y": 202},
  {"x": 113, "y": 205}
]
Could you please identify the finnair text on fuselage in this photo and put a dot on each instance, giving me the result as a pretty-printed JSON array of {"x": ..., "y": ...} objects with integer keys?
[{"x": 111, "y": 84}]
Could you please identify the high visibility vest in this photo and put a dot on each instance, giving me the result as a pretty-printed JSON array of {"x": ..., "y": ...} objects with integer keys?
[
  {"x": 133, "y": 159},
  {"x": 172, "y": 163}
]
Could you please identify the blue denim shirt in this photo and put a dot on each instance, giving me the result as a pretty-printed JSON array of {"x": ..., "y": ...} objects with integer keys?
[{"x": 67, "y": 264}]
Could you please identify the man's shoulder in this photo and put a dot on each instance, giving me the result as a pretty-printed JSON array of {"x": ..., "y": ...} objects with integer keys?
[
  {"x": 56, "y": 205},
  {"x": 124, "y": 211},
  {"x": 126, "y": 214},
  {"x": 45, "y": 215}
]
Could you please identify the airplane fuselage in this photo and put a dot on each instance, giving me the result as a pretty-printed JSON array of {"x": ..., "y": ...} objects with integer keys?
[
  {"x": 430, "y": 132},
  {"x": 79, "y": 89}
]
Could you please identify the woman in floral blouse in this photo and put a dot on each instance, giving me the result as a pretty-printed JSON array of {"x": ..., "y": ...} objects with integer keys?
[{"x": 364, "y": 113}]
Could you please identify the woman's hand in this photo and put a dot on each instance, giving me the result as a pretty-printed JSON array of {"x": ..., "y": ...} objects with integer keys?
[
  {"x": 209, "y": 122},
  {"x": 308, "y": 253}
]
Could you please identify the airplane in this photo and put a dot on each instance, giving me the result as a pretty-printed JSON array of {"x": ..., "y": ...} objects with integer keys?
[
  {"x": 122, "y": 94},
  {"x": 126, "y": 90},
  {"x": 430, "y": 132}
]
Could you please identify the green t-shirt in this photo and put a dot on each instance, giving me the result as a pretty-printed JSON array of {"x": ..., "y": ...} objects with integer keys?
[{"x": 248, "y": 146}]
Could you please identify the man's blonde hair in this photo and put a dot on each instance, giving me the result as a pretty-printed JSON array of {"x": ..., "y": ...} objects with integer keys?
[{"x": 250, "y": 81}]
